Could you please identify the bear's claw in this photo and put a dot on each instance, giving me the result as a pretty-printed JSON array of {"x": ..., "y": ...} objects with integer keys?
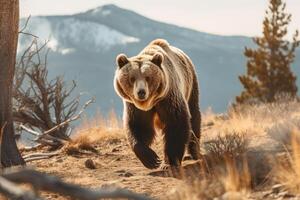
[{"x": 147, "y": 156}]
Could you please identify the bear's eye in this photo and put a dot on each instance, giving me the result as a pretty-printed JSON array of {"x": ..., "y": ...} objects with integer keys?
[
  {"x": 147, "y": 78},
  {"x": 132, "y": 79}
]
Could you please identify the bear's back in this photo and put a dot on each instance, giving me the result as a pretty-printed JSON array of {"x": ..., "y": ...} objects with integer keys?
[{"x": 177, "y": 64}]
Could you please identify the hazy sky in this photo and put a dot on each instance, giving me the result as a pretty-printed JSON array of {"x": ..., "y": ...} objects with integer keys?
[{"x": 226, "y": 17}]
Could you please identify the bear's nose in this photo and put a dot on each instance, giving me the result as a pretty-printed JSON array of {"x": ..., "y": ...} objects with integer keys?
[{"x": 142, "y": 94}]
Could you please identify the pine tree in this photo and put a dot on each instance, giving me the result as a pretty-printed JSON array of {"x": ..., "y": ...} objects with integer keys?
[{"x": 269, "y": 66}]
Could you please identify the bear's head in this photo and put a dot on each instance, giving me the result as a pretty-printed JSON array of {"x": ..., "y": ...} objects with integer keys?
[{"x": 140, "y": 80}]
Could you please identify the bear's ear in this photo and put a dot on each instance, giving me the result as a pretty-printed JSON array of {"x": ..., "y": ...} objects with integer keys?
[
  {"x": 157, "y": 59},
  {"x": 121, "y": 60}
]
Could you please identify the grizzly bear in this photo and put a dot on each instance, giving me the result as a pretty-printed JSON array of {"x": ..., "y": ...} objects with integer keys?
[{"x": 160, "y": 85}]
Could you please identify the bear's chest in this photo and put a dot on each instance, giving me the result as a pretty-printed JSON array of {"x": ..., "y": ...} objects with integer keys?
[{"x": 158, "y": 124}]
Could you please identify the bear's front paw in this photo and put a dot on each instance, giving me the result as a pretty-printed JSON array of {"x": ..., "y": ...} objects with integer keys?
[
  {"x": 171, "y": 170},
  {"x": 147, "y": 156}
]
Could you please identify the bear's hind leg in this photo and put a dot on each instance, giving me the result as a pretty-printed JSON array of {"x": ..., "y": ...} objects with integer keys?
[
  {"x": 194, "y": 143},
  {"x": 176, "y": 130},
  {"x": 140, "y": 132}
]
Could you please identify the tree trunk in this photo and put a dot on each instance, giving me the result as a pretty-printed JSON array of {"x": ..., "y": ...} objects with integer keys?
[{"x": 9, "y": 24}]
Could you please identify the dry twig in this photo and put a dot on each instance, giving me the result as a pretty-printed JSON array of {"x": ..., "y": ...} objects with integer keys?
[
  {"x": 41, "y": 181},
  {"x": 22, "y": 31}
]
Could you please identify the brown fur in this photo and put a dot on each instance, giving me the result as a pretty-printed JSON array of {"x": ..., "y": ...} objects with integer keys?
[{"x": 160, "y": 91}]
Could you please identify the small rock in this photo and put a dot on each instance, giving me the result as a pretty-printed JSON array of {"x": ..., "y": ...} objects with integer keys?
[
  {"x": 89, "y": 163},
  {"x": 115, "y": 150},
  {"x": 60, "y": 160},
  {"x": 120, "y": 171},
  {"x": 128, "y": 174},
  {"x": 123, "y": 173},
  {"x": 118, "y": 159}
]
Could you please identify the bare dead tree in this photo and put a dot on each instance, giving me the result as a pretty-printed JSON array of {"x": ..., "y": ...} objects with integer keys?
[
  {"x": 43, "y": 107},
  {"x": 22, "y": 31},
  {"x": 9, "y": 20},
  {"x": 40, "y": 181}
]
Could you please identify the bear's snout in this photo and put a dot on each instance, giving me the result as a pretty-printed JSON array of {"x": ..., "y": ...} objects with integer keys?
[
  {"x": 141, "y": 90},
  {"x": 142, "y": 94}
]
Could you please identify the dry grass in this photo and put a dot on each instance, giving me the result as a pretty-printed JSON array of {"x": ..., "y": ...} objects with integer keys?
[
  {"x": 227, "y": 139},
  {"x": 287, "y": 170},
  {"x": 229, "y": 183},
  {"x": 261, "y": 124},
  {"x": 95, "y": 131},
  {"x": 229, "y": 146},
  {"x": 237, "y": 179},
  {"x": 227, "y": 176},
  {"x": 264, "y": 129}
]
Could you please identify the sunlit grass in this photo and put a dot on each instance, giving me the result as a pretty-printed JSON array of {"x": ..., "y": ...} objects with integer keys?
[
  {"x": 226, "y": 140},
  {"x": 287, "y": 170},
  {"x": 95, "y": 131}
]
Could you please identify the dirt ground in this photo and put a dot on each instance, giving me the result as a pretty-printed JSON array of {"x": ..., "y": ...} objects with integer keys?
[{"x": 115, "y": 165}]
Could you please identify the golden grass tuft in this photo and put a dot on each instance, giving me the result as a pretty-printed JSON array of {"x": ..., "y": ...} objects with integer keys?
[
  {"x": 231, "y": 183},
  {"x": 237, "y": 179},
  {"x": 263, "y": 125},
  {"x": 95, "y": 131},
  {"x": 230, "y": 146},
  {"x": 287, "y": 170},
  {"x": 100, "y": 128},
  {"x": 248, "y": 132},
  {"x": 227, "y": 175}
]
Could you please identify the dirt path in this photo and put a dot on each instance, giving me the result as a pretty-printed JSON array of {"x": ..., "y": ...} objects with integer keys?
[{"x": 115, "y": 165}]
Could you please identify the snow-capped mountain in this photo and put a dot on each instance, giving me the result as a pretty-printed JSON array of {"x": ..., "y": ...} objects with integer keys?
[
  {"x": 84, "y": 47},
  {"x": 68, "y": 34}
]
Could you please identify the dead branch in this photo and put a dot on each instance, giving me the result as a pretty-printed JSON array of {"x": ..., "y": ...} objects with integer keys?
[
  {"x": 30, "y": 148},
  {"x": 44, "y": 108},
  {"x": 12, "y": 191},
  {"x": 45, "y": 137},
  {"x": 35, "y": 133},
  {"x": 41, "y": 181},
  {"x": 40, "y": 136},
  {"x": 25, "y": 26},
  {"x": 39, "y": 156},
  {"x": 30, "y": 34},
  {"x": 36, "y": 158},
  {"x": 72, "y": 118}
]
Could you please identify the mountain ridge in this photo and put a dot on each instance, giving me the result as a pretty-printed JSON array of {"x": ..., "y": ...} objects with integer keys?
[{"x": 84, "y": 47}]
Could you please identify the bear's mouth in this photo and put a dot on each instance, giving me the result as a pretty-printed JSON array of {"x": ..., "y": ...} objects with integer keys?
[
  {"x": 143, "y": 104},
  {"x": 142, "y": 101}
]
